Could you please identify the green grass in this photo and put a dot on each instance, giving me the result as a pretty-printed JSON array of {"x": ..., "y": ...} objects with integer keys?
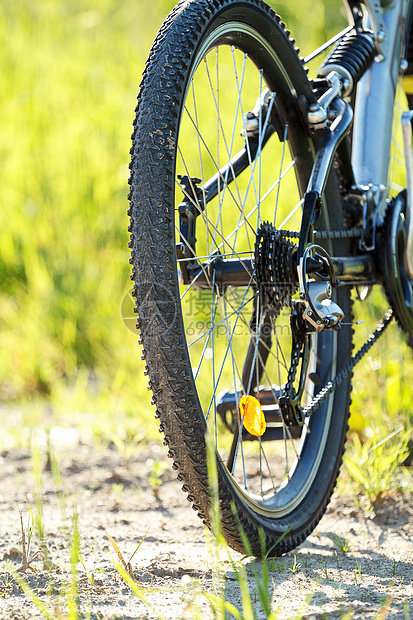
[
  {"x": 70, "y": 78},
  {"x": 68, "y": 88},
  {"x": 68, "y": 85}
]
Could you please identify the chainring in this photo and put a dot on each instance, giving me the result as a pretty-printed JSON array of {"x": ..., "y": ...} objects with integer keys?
[{"x": 397, "y": 285}]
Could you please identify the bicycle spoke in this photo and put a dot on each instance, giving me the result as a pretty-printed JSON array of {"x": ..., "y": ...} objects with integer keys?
[
  {"x": 283, "y": 363},
  {"x": 215, "y": 384},
  {"x": 228, "y": 150},
  {"x": 220, "y": 178},
  {"x": 235, "y": 371},
  {"x": 213, "y": 302},
  {"x": 293, "y": 212},
  {"x": 236, "y": 312},
  {"x": 256, "y": 206},
  {"x": 201, "y": 166},
  {"x": 281, "y": 167},
  {"x": 213, "y": 314},
  {"x": 253, "y": 166}
]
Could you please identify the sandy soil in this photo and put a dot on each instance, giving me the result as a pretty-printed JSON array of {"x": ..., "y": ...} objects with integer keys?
[{"x": 175, "y": 562}]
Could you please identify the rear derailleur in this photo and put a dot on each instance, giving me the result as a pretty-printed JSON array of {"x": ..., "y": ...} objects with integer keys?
[
  {"x": 314, "y": 312},
  {"x": 278, "y": 278}
]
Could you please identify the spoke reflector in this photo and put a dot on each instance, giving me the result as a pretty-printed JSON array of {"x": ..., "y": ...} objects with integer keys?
[{"x": 252, "y": 415}]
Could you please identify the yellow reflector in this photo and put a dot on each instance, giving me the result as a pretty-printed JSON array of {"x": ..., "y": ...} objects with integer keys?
[
  {"x": 252, "y": 415},
  {"x": 408, "y": 84}
]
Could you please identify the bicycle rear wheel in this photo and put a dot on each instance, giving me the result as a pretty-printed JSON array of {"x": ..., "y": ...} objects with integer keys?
[{"x": 213, "y": 332}]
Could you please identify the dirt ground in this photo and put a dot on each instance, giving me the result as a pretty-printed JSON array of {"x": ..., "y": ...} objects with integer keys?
[{"x": 174, "y": 562}]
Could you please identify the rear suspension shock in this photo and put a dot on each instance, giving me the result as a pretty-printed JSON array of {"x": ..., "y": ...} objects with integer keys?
[{"x": 350, "y": 59}]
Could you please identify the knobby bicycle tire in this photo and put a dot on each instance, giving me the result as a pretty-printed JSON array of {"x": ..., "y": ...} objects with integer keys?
[{"x": 205, "y": 53}]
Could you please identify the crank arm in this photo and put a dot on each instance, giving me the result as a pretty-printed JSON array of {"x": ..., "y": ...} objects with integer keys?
[{"x": 328, "y": 144}]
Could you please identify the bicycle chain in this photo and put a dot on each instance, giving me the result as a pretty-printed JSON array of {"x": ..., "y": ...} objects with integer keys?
[
  {"x": 292, "y": 414},
  {"x": 295, "y": 355},
  {"x": 353, "y": 233},
  {"x": 331, "y": 386}
]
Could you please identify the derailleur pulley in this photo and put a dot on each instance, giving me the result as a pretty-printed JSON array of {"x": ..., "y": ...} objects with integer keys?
[{"x": 316, "y": 291}]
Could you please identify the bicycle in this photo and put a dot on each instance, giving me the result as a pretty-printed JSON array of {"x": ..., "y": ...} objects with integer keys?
[{"x": 257, "y": 205}]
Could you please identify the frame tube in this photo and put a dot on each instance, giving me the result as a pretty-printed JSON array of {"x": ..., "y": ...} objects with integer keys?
[{"x": 376, "y": 91}]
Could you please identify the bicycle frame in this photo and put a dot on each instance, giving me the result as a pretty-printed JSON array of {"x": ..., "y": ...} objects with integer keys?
[{"x": 372, "y": 127}]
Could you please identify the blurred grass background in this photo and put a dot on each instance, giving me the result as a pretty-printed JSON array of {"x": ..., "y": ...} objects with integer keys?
[{"x": 69, "y": 77}]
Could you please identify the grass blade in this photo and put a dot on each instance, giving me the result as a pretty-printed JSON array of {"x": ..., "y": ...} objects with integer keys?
[{"x": 116, "y": 548}]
